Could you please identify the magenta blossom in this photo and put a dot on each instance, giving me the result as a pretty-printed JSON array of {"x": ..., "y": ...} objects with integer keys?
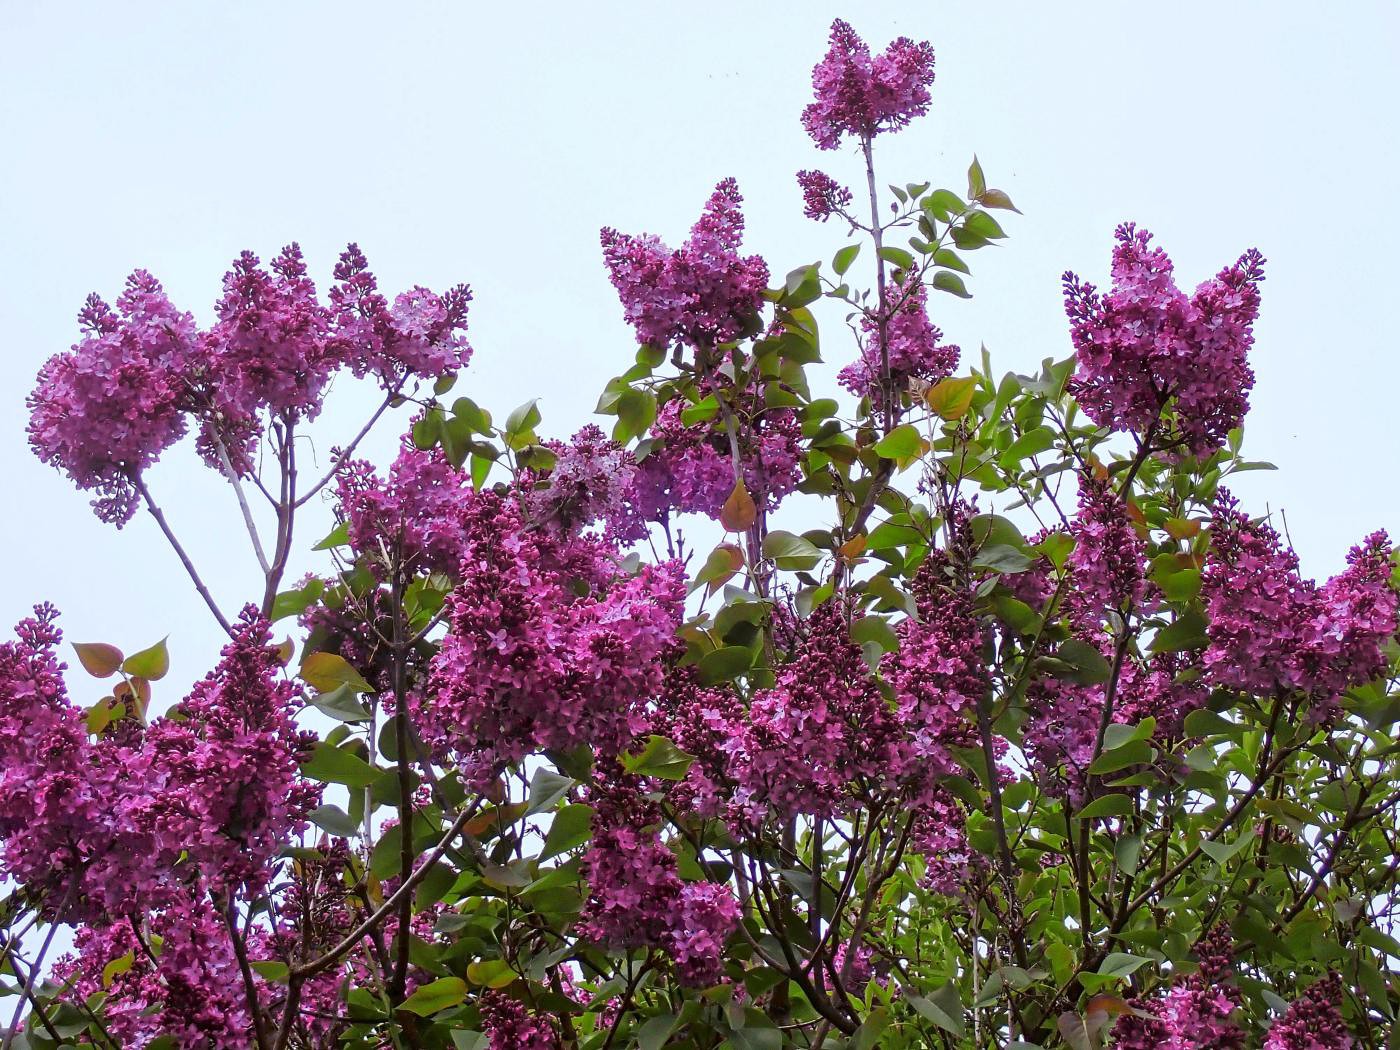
[
  {"x": 703, "y": 293},
  {"x": 1145, "y": 346},
  {"x": 857, "y": 94}
]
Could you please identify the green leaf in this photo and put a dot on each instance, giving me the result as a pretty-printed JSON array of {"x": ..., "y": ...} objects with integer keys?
[
  {"x": 524, "y": 419},
  {"x": 789, "y": 551},
  {"x": 724, "y": 664},
  {"x": 844, "y": 258},
  {"x": 660, "y": 758},
  {"x": 571, "y": 827},
  {"x": 653, "y": 1034},
  {"x": 1133, "y": 753},
  {"x": 950, "y": 259},
  {"x": 1089, "y": 664},
  {"x": 98, "y": 658},
  {"x": 1202, "y": 723},
  {"x": 326, "y": 671},
  {"x": 1031, "y": 443},
  {"x": 982, "y": 224},
  {"x": 271, "y": 970},
  {"x": 898, "y": 256},
  {"x": 435, "y": 995},
  {"x": 341, "y": 704},
  {"x": 942, "y": 205},
  {"x": 1108, "y": 806},
  {"x": 1121, "y": 964},
  {"x": 546, "y": 788},
  {"x": 333, "y": 765},
  {"x": 944, "y": 1008},
  {"x": 947, "y": 281},
  {"x": 900, "y": 443},
  {"x": 151, "y": 664},
  {"x": 756, "y": 1039},
  {"x": 976, "y": 181},
  {"x": 636, "y": 411},
  {"x": 1187, "y": 631},
  {"x": 875, "y": 629},
  {"x": 1001, "y": 557},
  {"x": 1221, "y": 852},
  {"x": 337, "y": 537},
  {"x": 466, "y": 1039},
  {"x": 803, "y": 286},
  {"x": 952, "y": 397},
  {"x": 334, "y": 820},
  {"x": 1127, "y": 850},
  {"x": 297, "y": 601}
]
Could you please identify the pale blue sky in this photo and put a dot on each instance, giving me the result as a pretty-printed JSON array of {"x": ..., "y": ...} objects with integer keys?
[{"x": 488, "y": 143}]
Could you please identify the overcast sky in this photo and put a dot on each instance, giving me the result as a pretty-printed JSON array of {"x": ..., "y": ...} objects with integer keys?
[{"x": 488, "y": 143}]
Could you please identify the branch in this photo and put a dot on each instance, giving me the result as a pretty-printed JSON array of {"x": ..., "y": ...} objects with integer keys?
[{"x": 199, "y": 586}]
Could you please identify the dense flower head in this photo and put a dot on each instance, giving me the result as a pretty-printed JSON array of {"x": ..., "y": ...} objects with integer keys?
[
  {"x": 692, "y": 471},
  {"x": 1140, "y": 1029},
  {"x": 413, "y": 516},
  {"x": 822, "y": 196},
  {"x": 1271, "y": 628},
  {"x": 547, "y": 647},
  {"x": 224, "y": 788},
  {"x": 269, "y": 348},
  {"x": 1107, "y": 564},
  {"x": 508, "y": 1025},
  {"x": 707, "y": 723},
  {"x": 917, "y": 355},
  {"x": 1145, "y": 345},
  {"x": 421, "y": 334},
  {"x": 1199, "y": 1010},
  {"x": 857, "y": 94},
  {"x": 940, "y": 834},
  {"x": 55, "y": 796},
  {"x": 821, "y": 729},
  {"x": 701, "y": 294},
  {"x": 1312, "y": 1021},
  {"x": 192, "y": 991},
  {"x": 593, "y": 480},
  {"x": 937, "y": 673},
  {"x": 637, "y": 899},
  {"x": 104, "y": 411}
]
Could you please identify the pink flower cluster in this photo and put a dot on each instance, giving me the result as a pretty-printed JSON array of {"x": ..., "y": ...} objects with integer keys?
[
  {"x": 857, "y": 94},
  {"x": 823, "y": 733},
  {"x": 509, "y": 1026},
  {"x": 1198, "y": 1013},
  {"x": 1145, "y": 345},
  {"x": 707, "y": 724},
  {"x": 636, "y": 898},
  {"x": 937, "y": 674},
  {"x": 917, "y": 355},
  {"x": 1270, "y": 628},
  {"x": 224, "y": 768},
  {"x": 822, "y": 196},
  {"x": 412, "y": 517},
  {"x": 693, "y": 469},
  {"x": 699, "y": 295},
  {"x": 203, "y": 797},
  {"x": 548, "y": 646},
  {"x": 1106, "y": 565},
  {"x": 192, "y": 991},
  {"x": 105, "y": 411},
  {"x": 593, "y": 480},
  {"x": 1312, "y": 1021}
]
